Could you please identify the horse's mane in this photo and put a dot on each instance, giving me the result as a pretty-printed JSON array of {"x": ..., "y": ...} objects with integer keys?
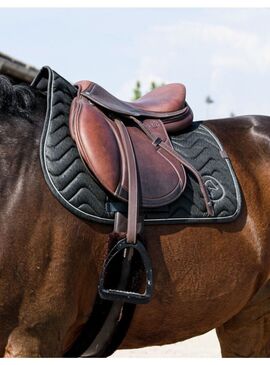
[{"x": 16, "y": 99}]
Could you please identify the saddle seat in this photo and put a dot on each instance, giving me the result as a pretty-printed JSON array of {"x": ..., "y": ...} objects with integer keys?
[{"x": 166, "y": 102}]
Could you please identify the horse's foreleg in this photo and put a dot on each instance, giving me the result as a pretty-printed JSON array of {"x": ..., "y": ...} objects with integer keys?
[{"x": 248, "y": 333}]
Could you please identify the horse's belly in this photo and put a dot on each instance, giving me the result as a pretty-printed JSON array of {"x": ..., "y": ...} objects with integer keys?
[{"x": 204, "y": 275}]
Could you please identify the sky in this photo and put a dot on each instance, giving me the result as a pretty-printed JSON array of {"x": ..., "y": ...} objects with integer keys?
[{"x": 223, "y": 53}]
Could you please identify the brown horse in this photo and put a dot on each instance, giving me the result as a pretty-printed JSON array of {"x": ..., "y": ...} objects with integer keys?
[{"x": 206, "y": 276}]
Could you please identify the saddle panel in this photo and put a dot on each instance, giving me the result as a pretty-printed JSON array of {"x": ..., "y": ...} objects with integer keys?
[{"x": 161, "y": 177}]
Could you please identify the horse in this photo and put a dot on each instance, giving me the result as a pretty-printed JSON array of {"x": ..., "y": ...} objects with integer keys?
[{"x": 207, "y": 276}]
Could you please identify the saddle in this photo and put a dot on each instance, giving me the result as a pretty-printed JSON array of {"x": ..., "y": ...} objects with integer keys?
[{"x": 126, "y": 146}]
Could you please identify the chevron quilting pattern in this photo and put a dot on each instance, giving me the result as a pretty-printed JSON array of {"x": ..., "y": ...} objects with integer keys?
[{"x": 68, "y": 174}]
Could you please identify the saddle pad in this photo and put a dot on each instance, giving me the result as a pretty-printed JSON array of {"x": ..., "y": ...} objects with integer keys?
[{"x": 74, "y": 186}]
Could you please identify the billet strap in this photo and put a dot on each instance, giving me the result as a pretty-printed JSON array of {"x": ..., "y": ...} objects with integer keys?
[
  {"x": 158, "y": 143},
  {"x": 133, "y": 196}
]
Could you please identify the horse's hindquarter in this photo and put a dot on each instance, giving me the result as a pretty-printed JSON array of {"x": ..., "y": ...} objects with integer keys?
[
  {"x": 205, "y": 274},
  {"x": 247, "y": 143}
]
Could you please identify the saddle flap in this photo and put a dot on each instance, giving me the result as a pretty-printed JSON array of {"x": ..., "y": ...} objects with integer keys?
[
  {"x": 96, "y": 142},
  {"x": 162, "y": 178}
]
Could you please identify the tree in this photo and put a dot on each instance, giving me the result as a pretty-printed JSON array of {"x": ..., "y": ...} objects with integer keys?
[
  {"x": 209, "y": 100},
  {"x": 137, "y": 92}
]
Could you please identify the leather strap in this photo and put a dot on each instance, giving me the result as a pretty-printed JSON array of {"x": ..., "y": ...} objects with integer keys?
[{"x": 133, "y": 199}]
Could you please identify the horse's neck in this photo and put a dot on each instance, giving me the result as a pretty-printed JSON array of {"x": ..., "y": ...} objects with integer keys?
[{"x": 19, "y": 151}]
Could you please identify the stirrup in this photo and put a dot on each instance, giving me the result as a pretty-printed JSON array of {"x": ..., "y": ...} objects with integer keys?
[{"x": 121, "y": 293}]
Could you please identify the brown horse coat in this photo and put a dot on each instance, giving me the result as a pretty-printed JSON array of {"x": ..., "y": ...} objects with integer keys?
[{"x": 206, "y": 276}]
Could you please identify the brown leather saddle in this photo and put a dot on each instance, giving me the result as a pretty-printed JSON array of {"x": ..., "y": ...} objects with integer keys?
[{"x": 126, "y": 146}]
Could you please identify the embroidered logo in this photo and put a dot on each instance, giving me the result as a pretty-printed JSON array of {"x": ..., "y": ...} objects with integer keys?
[{"x": 214, "y": 187}]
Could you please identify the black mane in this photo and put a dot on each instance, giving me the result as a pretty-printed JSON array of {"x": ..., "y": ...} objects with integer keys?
[{"x": 16, "y": 99}]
